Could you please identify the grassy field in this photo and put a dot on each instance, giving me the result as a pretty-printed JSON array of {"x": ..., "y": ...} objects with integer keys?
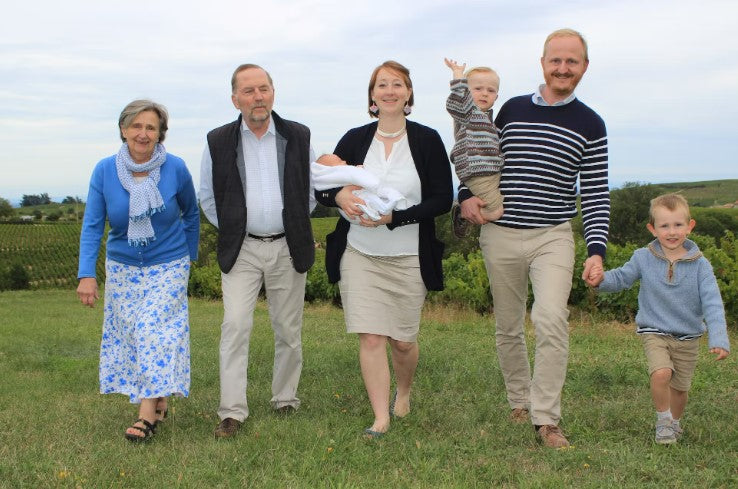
[
  {"x": 59, "y": 432},
  {"x": 704, "y": 194}
]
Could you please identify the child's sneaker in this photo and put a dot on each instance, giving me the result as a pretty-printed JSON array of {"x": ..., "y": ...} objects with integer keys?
[
  {"x": 665, "y": 432},
  {"x": 678, "y": 431},
  {"x": 458, "y": 223}
]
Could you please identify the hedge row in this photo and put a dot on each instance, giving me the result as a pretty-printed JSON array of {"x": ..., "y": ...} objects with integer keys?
[{"x": 467, "y": 284}]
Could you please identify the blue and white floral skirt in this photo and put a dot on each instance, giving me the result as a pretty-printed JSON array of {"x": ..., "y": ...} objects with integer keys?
[{"x": 145, "y": 349}]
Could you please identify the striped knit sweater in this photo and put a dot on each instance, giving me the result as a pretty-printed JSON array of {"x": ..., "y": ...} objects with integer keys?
[
  {"x": 476, "y": 152},
  {"x": 546, "y": 148}
]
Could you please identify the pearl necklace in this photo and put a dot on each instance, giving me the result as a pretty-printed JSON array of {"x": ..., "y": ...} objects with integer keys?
[{"x": 390, "y": 135}]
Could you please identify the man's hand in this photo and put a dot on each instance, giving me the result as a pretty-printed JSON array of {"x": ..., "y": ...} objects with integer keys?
[
  {"x": 471, "y": 210},
  {"x": 592, "y": 273}
]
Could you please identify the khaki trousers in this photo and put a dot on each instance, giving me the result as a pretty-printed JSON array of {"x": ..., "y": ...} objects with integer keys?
[
  {"x": 268, "y": 263},
  {"x": 546, "y": 257}
]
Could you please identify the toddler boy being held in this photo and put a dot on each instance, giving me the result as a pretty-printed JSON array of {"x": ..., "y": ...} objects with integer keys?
[
  {"x": 678, "y": 301},
  {"x": 476, "y": 154}
]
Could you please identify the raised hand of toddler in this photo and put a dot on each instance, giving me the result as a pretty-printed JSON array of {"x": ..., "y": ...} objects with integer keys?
[{"x": 456, "y": 68}]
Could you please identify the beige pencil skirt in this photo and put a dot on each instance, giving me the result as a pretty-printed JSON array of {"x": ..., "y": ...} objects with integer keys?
[{"x": 382, "y": 295}]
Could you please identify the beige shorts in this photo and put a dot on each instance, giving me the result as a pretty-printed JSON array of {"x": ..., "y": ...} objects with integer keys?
[
  {"x": 487, "y": 188},
  {"x": 680, "y": 356}
]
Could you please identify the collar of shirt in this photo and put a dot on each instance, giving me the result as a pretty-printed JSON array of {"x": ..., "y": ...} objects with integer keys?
[
  {"x": 270, "y": 130},
  {"x": 539, "y": 100}
]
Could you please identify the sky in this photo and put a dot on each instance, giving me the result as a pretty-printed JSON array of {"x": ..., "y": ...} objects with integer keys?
[{"x": 663, "y": 74}]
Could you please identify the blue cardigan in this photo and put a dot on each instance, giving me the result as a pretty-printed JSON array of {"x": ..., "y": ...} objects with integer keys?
[
  {"x": 676, "y": 298},
  {"x": 177, "y": 228}
]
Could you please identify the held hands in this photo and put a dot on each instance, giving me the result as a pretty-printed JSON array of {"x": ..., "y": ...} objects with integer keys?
[
  {"x": 458, "y": 70},
  {"x": 721, "y": 354},
  {"x": 593, "y": 273},
  {"x": 87, "y": 291}
]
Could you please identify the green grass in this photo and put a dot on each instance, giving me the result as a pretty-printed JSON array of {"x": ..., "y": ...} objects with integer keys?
[{"x": 59, "y": 432}]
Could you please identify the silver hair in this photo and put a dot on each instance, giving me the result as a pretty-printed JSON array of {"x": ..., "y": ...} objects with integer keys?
[{"x": 132, "y": 110}]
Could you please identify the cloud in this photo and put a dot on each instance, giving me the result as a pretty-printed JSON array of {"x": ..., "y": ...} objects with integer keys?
[{"x": 661, "y": 73}]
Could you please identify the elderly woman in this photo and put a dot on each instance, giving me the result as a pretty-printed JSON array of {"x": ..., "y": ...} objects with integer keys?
[
  {"x": 385, "y": 267},
  {"x": 148, "y": 198}
]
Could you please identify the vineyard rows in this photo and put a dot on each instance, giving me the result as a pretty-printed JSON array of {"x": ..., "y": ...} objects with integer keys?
[{"x": 49, "y": 252}]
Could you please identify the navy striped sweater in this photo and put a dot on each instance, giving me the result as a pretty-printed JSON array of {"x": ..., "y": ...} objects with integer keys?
[{"x": 546, "y": 149}]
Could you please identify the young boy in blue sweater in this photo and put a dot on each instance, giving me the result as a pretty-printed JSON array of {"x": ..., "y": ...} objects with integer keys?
[{"x": 678, "y": 301}]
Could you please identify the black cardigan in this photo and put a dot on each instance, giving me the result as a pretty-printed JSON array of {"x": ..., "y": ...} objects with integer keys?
[{"x": 434, "y": 170}]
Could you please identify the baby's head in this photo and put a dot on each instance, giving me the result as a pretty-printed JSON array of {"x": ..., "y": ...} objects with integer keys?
[{"x": 484, "y": 85}]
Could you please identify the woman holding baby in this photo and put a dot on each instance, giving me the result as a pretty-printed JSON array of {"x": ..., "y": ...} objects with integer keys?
[{"x": 385, "y": 267}]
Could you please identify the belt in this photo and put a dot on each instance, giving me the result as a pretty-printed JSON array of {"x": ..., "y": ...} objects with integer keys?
[{"x": 267, "y": 239}]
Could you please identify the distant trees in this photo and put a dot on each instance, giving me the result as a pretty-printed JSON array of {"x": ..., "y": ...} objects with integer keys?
[
  {"x": 41, "y": 199},
  {"x": 6, "y": 208},
  {"x": 72, "y": 200},
  {"x": 629, "y": 207}
]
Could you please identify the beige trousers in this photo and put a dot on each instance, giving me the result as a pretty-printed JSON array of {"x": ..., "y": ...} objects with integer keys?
[
  {"x": 546, "y": 257},
  {"x": 269, "y": 264}
]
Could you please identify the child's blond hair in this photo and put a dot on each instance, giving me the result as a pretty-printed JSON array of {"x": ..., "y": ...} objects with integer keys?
[
  {"x": 482, "y": 69},
  {"x": 671, "y": 202}
]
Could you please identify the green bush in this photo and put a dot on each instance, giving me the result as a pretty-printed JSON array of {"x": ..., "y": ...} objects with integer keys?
[
  {"x": 317, "y": 287},
  {"x": 14, "y": 277},
  {"x": 466, "y": 282},
  {"x": 205, "y": 282}
]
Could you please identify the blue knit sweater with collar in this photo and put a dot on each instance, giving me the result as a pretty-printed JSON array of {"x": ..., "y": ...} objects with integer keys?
[{"x": 679, "y": 298}]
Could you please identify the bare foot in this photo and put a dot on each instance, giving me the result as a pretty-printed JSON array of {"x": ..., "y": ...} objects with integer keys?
[{"x": 401, "y": 405}]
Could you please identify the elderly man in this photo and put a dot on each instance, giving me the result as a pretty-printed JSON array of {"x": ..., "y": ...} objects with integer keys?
[
  {"x": 548, "y": 139},
  {"x": 259, "y": 167}
]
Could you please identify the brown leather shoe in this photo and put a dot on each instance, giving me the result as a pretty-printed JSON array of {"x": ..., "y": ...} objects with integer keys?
[
  {"x": 227, "y": 428},
  {"x": 552, "y": 436},
  {"x": 519, "y": 415}
]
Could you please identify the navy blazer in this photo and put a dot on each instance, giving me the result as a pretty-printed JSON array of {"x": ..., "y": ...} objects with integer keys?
[{"x": 434, "y": 169}]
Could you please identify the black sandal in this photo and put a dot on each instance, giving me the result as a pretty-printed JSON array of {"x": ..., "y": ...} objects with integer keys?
[
  {"x": 161, "y": 415},
  {"x": 148, "y": 430}
]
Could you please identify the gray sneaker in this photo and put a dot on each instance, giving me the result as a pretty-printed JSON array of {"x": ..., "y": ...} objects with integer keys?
[
  {"x": 678, "y": 430},
  {"x": 665, "y": 432}
]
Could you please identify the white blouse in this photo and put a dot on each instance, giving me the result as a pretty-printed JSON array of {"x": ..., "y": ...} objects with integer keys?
[{"x": 397, "y": 171}]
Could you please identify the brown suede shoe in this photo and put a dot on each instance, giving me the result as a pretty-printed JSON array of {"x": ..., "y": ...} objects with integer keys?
[
  {"x": 519, "y": 415},
  {"x": 285, "y": 410},
  {"x": 227, "y": 428},
  {"x": 552, "y": 436}
]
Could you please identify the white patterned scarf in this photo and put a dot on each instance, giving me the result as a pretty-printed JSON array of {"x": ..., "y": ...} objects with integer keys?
[{"x": 145, "y": 198}]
